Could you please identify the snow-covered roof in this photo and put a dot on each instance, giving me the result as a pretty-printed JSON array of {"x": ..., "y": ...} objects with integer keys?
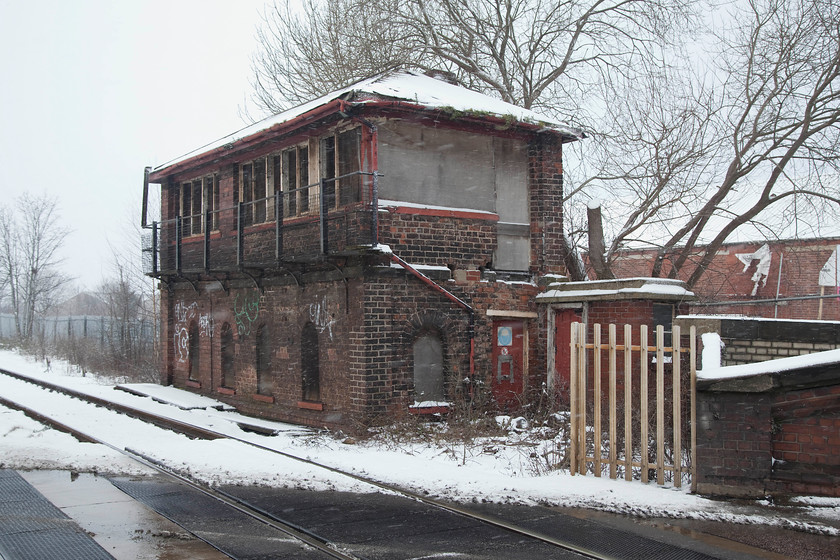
[
  {"x": 663, "y": 289},
  {"x": 405, "y": 86}
]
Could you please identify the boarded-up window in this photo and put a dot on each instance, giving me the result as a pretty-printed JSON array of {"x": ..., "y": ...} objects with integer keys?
[
  {"x": 428, "y": 369},
  {"x": 265, "y": 377},
  {"x": 227, "y": 356},
  {"x": 195, "y": 354},
  {"x": 309, "y": 353}
]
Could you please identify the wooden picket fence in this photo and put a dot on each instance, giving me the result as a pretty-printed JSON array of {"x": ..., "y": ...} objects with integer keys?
[{"x": 645, "y": 451}]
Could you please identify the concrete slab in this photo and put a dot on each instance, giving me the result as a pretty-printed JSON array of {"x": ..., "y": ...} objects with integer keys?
[
  {"x": 125, "y": 528},
  {"x": 31, "y": 528}
]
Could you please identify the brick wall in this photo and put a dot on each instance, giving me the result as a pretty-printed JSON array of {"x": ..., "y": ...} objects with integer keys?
[
  {"x": 545, "y": 169},
  {"x": 466, "y": 242},
  {"x": 283, "y": 309},
  {"x": 772, "y": 434},
  {"x": 794, "y": 270},
  {"x": 367, "y": 318},
  {"x": 734, "y": 455}
]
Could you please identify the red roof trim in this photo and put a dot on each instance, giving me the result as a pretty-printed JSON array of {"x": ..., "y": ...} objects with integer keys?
[{"x": 443, "y": 213}]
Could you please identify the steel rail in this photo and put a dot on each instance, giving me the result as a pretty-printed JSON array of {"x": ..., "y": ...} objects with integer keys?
[
  {"x": 451, "y": 507},
  {"x": 291, "y": 529}
]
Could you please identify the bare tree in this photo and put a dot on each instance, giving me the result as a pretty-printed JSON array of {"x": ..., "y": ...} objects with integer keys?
[
  {"x": 689, "y": 141},
  {"x": 756, "y": 143},
  {"x": 30, "y": 238},
  {"x": 533, "y": 53},
  {"x": 780, "y": 110}
]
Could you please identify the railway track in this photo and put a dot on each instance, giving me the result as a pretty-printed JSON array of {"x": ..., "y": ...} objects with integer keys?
[{"x": 563, "y": 547}]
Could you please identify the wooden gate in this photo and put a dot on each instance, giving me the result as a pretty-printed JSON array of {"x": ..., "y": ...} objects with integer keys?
[{"x": 658, "y": 391}]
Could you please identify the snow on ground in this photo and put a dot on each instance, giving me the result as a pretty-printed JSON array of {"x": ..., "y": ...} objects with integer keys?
[{"x": 495, "y": 469}]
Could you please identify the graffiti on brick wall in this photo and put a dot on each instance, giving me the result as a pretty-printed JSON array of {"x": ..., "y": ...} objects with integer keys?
[
  {"x": 320, "y": 316},
  {"x": 183, "y": 315},
  {"x": 246, "y": 310},
  {"x": 205, "y": 325},
  {"x": 762, "y": 270}
]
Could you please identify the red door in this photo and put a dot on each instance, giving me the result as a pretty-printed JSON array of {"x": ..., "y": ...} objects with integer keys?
[
  {"x": 508, "y": 363},
  {"x": 563, "y": 319}
]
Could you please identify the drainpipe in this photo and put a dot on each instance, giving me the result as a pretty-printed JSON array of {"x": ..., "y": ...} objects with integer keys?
[{"x": 451, "y": 297}]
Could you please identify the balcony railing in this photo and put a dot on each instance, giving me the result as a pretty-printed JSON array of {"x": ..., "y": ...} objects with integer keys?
[{"x": 332, "y": 217}]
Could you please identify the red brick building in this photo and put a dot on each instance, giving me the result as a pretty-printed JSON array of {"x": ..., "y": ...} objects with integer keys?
[
  {"x": 374, "y": 252},
  {"x": 785, "y": 279}
]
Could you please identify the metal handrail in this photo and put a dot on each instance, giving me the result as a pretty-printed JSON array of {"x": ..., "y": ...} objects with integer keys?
[{"x": 168, "y": 235}]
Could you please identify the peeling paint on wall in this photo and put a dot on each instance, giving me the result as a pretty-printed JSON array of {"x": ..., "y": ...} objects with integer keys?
[
  {"x": 763, "y": 256},
  {"x": 830, "y": 272}
]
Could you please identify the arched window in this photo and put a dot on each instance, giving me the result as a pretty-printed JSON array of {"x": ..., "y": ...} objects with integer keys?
[
  {"x": 227, "y": 356},
  {"x": 195, "y": 355},
  {"x": 309, "y": 363},
  {"x": 428, "y": 369},
  {"x": 265, "y": 379}
]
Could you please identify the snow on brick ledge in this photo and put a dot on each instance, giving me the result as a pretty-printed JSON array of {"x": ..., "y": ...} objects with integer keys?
[{"x": 660, "y": 289}]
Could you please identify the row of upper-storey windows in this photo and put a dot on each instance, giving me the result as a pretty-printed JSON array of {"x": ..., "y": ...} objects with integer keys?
[{"x": 293, "y": 175}]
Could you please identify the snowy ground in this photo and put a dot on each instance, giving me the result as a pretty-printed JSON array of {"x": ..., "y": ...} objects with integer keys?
[{"x": 497, "y": 470}]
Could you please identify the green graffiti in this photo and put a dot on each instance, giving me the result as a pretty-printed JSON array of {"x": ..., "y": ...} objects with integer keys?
[{"x": 247, "y": 313}]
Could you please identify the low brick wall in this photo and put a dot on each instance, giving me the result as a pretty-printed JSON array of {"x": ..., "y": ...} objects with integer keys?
[
  {"x": 749, "y": 340},
  {"x": 771, "y": 434}
]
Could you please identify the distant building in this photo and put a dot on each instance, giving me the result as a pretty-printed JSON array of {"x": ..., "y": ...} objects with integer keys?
[
  {"x": 83, "y": 303},
  {"x": 374, "y": 252},
  {"x": 784, "y": 279}
]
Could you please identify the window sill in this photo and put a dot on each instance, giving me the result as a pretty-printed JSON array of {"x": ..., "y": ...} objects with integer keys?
[
  {"x": 421, "y": 409},
  {"x": 193, "y": 384},
  {"x": 199, "y": 237},
  {"x": 309, "y": 405},
  {"x": 263, "y": 398},
  {"x": 225, "y": 391}
]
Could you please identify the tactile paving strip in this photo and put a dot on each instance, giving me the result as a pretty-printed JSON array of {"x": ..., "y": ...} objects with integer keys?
[{"x": 32, "y": 528}]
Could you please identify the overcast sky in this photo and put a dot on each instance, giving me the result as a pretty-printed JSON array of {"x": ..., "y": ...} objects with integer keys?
[{"x": 95, "y": 90}]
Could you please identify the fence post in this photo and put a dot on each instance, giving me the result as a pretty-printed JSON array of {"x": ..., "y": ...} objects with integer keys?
[
  {"x": 613, "y": 403},
  {"x": 643, "y": 400},
  {"x": 581, "y": 396},
  {"x": 596, "y": 399},
  {"x": 628, "y": 403},
  {"x": 573, "y": 420},
  {"x": 675, "y": 353},
  {"x": 660, "y": 404}
]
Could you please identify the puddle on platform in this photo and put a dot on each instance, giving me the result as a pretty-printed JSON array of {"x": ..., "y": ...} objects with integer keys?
[{"x": 127, "y": 529}]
